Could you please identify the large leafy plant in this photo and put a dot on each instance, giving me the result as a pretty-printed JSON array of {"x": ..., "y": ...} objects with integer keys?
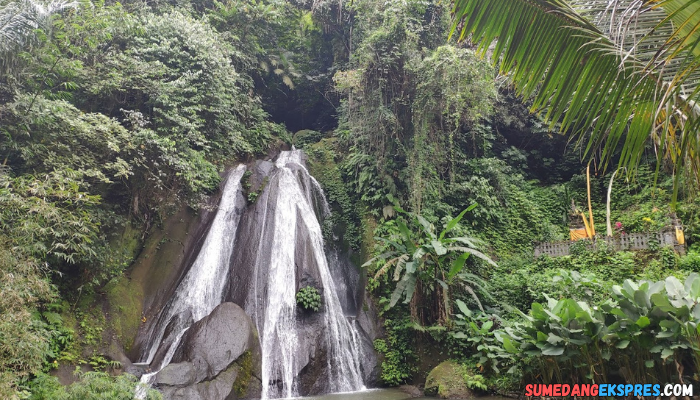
[
  {"x": 644, "y": 325},
  {"x": 476, "y": 334},
  {"x": 614, "y": 72},
  {"x": 426, "y": 260}
]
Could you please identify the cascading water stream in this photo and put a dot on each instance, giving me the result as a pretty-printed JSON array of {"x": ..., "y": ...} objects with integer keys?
[
  {"x": 284, "y": 247},
  {"x": 295, "y": 194},
  {"x": 202, "y": 289}
]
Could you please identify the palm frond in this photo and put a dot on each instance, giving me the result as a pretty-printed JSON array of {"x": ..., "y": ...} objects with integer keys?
[
  {"x": 606, "y": 92},
  {"x": 19, "y": 20}
]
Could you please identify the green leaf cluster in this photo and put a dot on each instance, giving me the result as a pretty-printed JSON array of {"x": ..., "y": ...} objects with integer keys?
[
  {"x": 90, "y": 386},
  {"x": 423, "y": 258},
  {"x": 644, "y": 324},
  {"x": 398, "y": 351},
  {"x": 309, "y": 299}
]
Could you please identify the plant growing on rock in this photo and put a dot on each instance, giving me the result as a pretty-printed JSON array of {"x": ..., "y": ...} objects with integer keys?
[{"x": 309, "y": 299}]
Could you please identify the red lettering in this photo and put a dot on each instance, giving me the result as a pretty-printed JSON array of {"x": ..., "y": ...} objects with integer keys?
[
  {"x": 565, "y": 390},
  {"x": 537, "y": 391},
  {"x": 557, "y": 390},
  {"x": 528, "y": 390},
  {"x": 547, "y": 390},
  {"x": 576, "y": 391},
  {"x": 594, "y": 390}
]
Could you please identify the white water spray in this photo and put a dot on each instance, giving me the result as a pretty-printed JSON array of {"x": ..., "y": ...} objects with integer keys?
[
  {"x": 201, "y": 290},
  {"x": 295, "y": 194}
]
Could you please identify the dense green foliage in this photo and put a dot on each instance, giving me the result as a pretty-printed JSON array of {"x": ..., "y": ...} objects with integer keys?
[
  {"x": 397, "y": 349},
  {"x": 426, "y": 263},
  {"x": 113, "y": 117},
  {"x": 605, "y": 83},
  {"x": 91, "y": 386},
  {"x": 646, "y": 330},
  {"x": 116, "y": 115}
]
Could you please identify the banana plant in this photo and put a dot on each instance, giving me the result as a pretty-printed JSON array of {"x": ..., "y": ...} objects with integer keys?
[{"x": 419, "y": 253}]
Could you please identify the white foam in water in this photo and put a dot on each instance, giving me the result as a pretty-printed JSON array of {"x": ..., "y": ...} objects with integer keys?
[
  {"x": 202, "y": 288},
  {"x": 279, "y": 330}
]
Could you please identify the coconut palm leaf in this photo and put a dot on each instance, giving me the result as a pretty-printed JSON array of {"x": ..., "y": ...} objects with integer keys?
[
  {"x": 19, "y": 19},
  {"x": 603, "y": 83}
]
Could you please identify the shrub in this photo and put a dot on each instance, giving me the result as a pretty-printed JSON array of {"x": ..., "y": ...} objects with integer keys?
[
  {"x": 91, "y": 386},
  {"x": 644, "y": 325},
  {"x": 398, "y": 350},
  {"x": 309, "y": 299}
]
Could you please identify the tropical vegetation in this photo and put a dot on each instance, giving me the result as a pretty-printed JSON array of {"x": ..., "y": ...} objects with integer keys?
[{"x": 449, "y": 138}]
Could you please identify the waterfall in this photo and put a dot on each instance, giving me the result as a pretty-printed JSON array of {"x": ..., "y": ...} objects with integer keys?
[
  {"x": 279, "y": 247},
  {"x": 202, "y": 289},
  {"x": 292, "y": 197}
]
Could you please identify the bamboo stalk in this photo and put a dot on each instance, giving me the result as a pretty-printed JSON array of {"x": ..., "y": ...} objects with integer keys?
[
  {"x": 590, "y": 207},
  {"x": 607, "y": 205}
]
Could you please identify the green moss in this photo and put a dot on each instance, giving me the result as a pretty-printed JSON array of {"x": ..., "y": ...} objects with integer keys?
[
  {"x": 245, "y": 372},
  {"x": 125, "y": 300},
  {"x": 344, "y": 220},
  {"x": 447, "y": 381},
  {"x": 369, "y": 225},
  {"x": 252, "y": 190},
  {"x": 90, "y": 323},
  {"x": 123, "y": 247}
]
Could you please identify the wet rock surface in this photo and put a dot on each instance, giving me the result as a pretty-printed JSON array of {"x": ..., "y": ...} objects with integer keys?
[
  {"x": 278, "y": 247},
  {"x": 411, "y": 390},
  {"x": 220, "y": 388},
  {"x": 214, "y": 357},
  {"x": 177, "y": 374},
  {"x": 217, "y": 340}
]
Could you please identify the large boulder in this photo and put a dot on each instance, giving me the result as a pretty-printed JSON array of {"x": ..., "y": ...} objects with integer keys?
[
  {"x": 220, "y": 388},
  {"x": 447, "y": 382},
  {"x": 217, "y": 359},
  {"x": 217, "y": 340},
  {"x": 177, "y": 374}
]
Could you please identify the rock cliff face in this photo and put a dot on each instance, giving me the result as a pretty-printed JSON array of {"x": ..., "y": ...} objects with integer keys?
[
  {"x": 257, "y": 342},
  {"x": 215, "y": 359},
  {"x": 161, "y": 265}
]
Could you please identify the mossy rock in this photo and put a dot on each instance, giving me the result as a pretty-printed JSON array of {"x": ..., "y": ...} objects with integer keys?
[
  {"x": 124, "y": 246},
  {"x": 447, "y": 382},
  {"x": 305, "y": 137},
  {"x": 125, "y": 300},
  {"x": 344, "y": 221},
  {"x": 245, "y": 373}
]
